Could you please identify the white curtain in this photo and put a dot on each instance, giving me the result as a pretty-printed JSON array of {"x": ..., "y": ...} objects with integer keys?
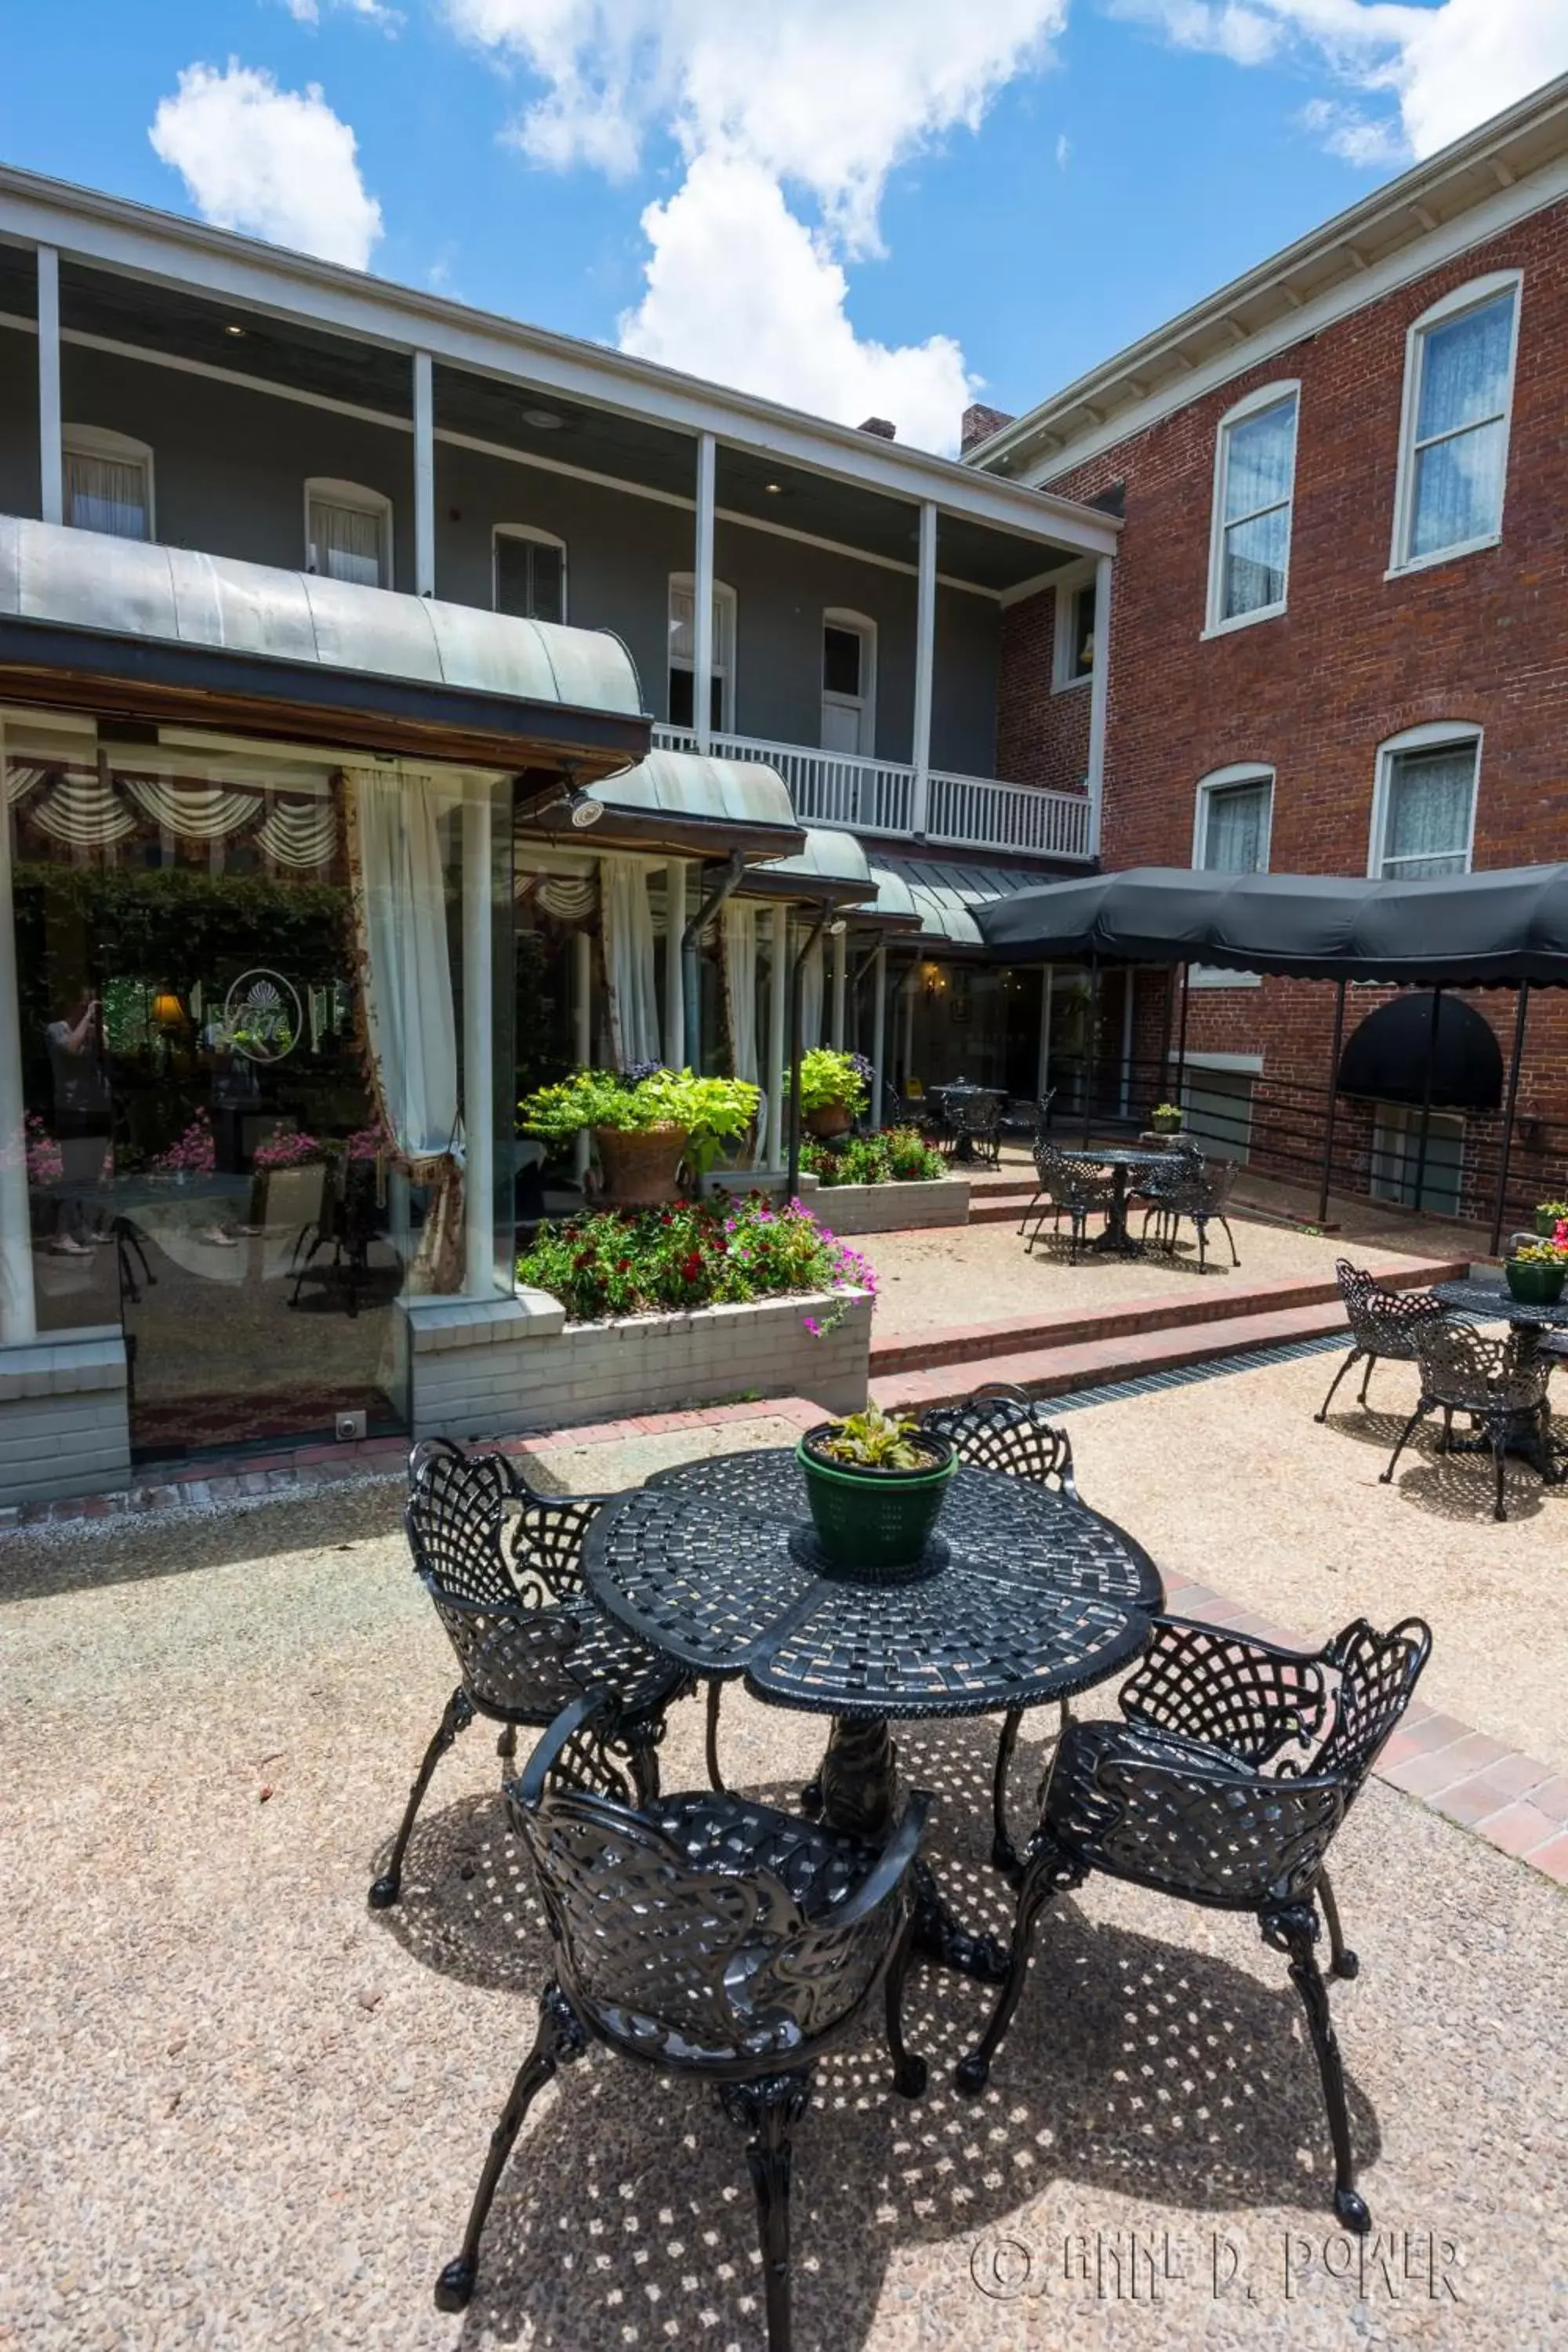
[
  {"x": 1236, "y": 836},
  {"x": 299, "y": 833},
  {"x": 106, "y": 494},
  {"x": 1461, "y": 428},
  {"x": 629, "y": 963},
  {"x": 811, "y": 999},
  {"x": 197, "y": 812},
  {"x": 400, "y": 915},
  {"x": 345, "y": 543},
  {"x": 740, "y": 986},
  {"x": 1427, "y": 828}
]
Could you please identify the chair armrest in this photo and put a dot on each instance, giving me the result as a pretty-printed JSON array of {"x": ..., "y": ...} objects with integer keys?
[
  {"x": 1219, "y": 1836},
  {"x": 595, "y": 1706},
  {"x": 892, "y": 1866},
  {"x": 1226, "y": 1690}
]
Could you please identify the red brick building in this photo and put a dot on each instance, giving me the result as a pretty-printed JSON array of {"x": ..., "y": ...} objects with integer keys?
[{"x": 1338, "y": 640}]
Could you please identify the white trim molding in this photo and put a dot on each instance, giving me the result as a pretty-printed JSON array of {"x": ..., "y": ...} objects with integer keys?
[
  {"x": 724, "y": 653},
  {"x": 1474, "y": 296},
  {"x": 1217, "y": 621},
  {"x": 859, "y": 624},
  {"x": 1070, "y": 584},
  {"x": 354, "y": 498},
  {"x": 101, "y": 441},
  {"x": 532, "y": 532},
  {"x": 1437, "y": 735},
  {"x": 1240, "y": 774}
]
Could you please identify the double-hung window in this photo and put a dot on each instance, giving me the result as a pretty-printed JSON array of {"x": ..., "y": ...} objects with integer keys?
[
  {"x": 1458, "y": 389},
  {"x": 348, "y": 533},
  {"x": 529, "y": 572},
  {"x": 1424, "y": 806},
  {"x": 1074, "y": 656},
  {"x": 1230, "y": 836},
  {"x": 683, "y": 655},
  {"x": 108, "y": 482},
  {"x": 1255, "y": 487}
]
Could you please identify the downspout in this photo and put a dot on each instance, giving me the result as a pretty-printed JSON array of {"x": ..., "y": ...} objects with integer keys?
[
  {"x": 797, "y": 974},
  {"x": 692, "y": 1005}
]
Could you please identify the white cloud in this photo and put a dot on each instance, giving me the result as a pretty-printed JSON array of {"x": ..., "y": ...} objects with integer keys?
[
  {"x": 309, "y": 12},
  {"x": 275, "y": 162},
  {"x": 1064, "y": 151},
  {"x": 823, "y": 98},
  {"x": 1445, "y": 69}
]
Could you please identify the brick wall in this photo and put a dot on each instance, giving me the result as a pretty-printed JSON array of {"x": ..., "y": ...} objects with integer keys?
[
  {"x": 1482, "y": 639},
  {"x": 65, "y": 1426}
]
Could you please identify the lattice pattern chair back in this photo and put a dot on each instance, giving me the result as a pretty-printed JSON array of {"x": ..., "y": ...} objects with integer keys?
[
  {"x": 1377, "y": 1675},
  {"x": 1001, "y": 1428},
  {"x": 1245, "y": 1696},
  {"x": 456, "y": 1518},
  {"x": 1387, "y": 1323},
  {"x": 1464, "y": 1370}
]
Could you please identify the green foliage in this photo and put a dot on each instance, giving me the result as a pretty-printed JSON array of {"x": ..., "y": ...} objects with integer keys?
[
  {"x": 826, "y": 1078},
  {"x": 172, "y": 926},
  {"x": 1168, "y": 1110},
  {"x": 712, "y": 1112},
  {"x": 639, "y": 1262},
  {"x": 1548, "y": 1253},
  {"x": 898, "y": 1157},
  {"x": 874, "y": 1440},
  {"x": 1556, "y": 1209}
]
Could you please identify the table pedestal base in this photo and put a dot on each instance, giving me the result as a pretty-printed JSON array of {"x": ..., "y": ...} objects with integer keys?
[{"x": 856, "y": 1792}]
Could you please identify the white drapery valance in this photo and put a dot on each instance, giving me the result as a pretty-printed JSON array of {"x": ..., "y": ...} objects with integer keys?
[
  {"x": 629, "y": 966},
  {"x": 199, "y": 812},
  {"x": 82, "y": 811},
  {"x": 299, "y": 835}
]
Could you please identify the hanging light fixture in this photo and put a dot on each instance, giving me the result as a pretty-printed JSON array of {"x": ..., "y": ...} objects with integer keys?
[{"x": 168, "y": 1013}]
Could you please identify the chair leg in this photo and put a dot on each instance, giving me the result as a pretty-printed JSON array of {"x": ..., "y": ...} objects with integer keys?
[
  {"x": 1425, "y": 1407},
  {"x": 1051, "y": 1870},
  {"x": 561, "y": 2038},
  {"x": 1235, "y": 1252},
  {"x": 1341, "y": 1963},
  {"x": 909, "y": 2071},
  {"x": 715, "y": 1778},
  {"x": 1293, "y": 1931},
  {"x": 1366, "y": 1377},
  {"x": 1500, "y": 1458},
  {"x": 458, "y": 1715},
  {"x": 1354, "y": 1356},
  {"x": 769, "y": 2108},
  {"x": 1004, "y": 1853},
  {"x": 1028, "y": 1214},
  {"x": 506, "y": 1746},
  {"x": 642, "y": 1754}
]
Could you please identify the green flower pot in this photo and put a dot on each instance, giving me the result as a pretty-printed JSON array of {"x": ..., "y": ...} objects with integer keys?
[
  {"x": 1532, "y": 1283},
  {"x": 1161, "y": 1123},
  {"x": 872, "y": 1525},
  {"x": 1546, "y": 1223}
]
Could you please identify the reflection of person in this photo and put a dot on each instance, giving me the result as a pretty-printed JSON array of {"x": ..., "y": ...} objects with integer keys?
[{"x": 83, "y": 1114}]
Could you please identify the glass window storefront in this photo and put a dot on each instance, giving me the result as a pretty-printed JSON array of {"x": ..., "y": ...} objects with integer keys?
[{"x": 250, "y": 983}]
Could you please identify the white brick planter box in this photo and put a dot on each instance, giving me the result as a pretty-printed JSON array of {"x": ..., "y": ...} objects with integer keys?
[
  {"x": 64, "y": 1421},
  {"x": 891, "y": 1208},
  {"x": 498, "y": 1368}
]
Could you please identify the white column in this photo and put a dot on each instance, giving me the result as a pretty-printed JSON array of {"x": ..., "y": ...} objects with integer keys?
[
  {"x": 424, "y": 478},
  {"x": 702, "y": 599},
  {"x": 1099, "y": 700},
  {"x": 51, "y": 462},
  {"x": 674, "y": 987},
  {"x": 878, "y": 1027},
  {"x": 18, "y": 1313},
  {"x": 925, "y": 647},
  {"x": 479, "y": 1050},
  {"x": 840, "y": 973},
  {"x": 778, "y": 1016},
  {"x": 1045, "y": 1075},
  {"x": 582, "y": 1030}
]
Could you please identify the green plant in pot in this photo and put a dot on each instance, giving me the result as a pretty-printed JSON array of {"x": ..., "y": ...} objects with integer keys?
[
  {"x": 1549, "y": 1215},
  {"x": 1536, "y": 1272},
  {"x": 1165, "y": 1119},
  {"x": 875, "y": 1484},
  {"x": 833, "y": 1087},
  {"x": 645, "y": 1127}
]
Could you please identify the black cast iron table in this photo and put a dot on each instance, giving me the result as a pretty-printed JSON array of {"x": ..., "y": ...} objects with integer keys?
[
  {"x": 1123, "y": 1160},
  {"x": 1494, "y": 1302},
  {"x": 1024, "y": 1595}
]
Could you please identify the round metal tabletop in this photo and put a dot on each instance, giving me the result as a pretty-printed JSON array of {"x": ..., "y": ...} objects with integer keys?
[
  {"x": 1494, "y": 1302},
  {"x": 1117, "y": 1155},
  {"x": 1032, "y": 1596}
]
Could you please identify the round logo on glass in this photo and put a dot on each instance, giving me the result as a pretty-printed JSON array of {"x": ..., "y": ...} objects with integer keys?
[{"x": 262, "y": 1016}]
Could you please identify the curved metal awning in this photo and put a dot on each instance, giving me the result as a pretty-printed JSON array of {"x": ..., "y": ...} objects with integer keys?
[
  {"x": 830, "y": 870},
  {"x": 126, "y": 625},
  {"x": 1396, "y": 1056},
  {"x": 939, "y": 897},
  {"x": 683, "y": 802}
]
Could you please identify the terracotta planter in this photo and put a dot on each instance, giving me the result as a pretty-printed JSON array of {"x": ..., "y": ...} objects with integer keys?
[
  {"x": 831, "y": 1119},
  {"x": 641, "y": 1165}
]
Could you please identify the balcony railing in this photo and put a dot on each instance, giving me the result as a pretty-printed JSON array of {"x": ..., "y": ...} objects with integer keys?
[{"x": 878, "y": 796}]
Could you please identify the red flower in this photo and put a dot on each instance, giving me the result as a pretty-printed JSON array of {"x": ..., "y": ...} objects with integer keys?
[
  {"x": 691, "y": 1268},
  {"x": 623, "y": 1266}
]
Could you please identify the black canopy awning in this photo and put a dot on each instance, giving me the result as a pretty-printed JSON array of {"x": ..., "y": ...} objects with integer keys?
[
  {"x": 1448, "y": 930},
  {"x": 1387, "y": 1057}
]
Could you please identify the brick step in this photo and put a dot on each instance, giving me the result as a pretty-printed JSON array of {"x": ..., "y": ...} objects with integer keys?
[
  {"x": 1053, "y": 1371},
  {"x": 1226, "y": 1299}
]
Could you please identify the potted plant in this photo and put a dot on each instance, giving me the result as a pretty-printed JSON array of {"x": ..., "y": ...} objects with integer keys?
[
  {"x": 1537, "y": 1270},
  {"x": 1549, "y": 1215},
  {"x": 643, "y": 1129},
  {"x": 1165, "y": 1119},
  {"x": 875, "y": 1484},
  {"x": 833, "y": 1087}
]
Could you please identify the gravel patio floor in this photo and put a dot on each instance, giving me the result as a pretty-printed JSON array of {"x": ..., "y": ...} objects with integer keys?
[{"x": 244, "y": 2112}]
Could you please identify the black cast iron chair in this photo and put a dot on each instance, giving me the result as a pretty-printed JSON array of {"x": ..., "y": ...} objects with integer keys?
[
  {"x": 1067, "y": 1186},
  {"x": 1196, "y": 1189},
  {"x": 1501, "y": 1383},
  {"x": 1389, "y": 1323},
  {"x": 1002, "y": 1428},
  {"x": 975, "y": 1121},
  {"x": 712, "y": 1937},
  {"x": 1225, "y": 1785},
  {"x": 503, "y": 1566}
]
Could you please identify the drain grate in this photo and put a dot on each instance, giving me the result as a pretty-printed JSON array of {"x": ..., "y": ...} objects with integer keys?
[{"x": 1244, "y": 1360}]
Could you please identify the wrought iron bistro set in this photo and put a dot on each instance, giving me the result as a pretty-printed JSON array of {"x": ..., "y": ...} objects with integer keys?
[{"x": 711, "y": 1935}]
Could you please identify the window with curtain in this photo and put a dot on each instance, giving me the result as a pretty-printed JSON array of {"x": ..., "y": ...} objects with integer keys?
[
  {"x": 349, "y": 535},
  {"x": 1255, "y": 490},
  {"x": 1458, "y": 452},
  {"x": 530, "y": 575},
  {"x": 1427, "y": 802},
  {"x": 1074, "y": 656},
  {"x": 1234, "y": 836},
  {"x": 683, "y": 654},
  {"x": 108, "y": 487}
]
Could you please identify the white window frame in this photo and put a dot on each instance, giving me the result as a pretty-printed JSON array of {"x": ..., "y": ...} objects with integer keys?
[
  {"x": 1069, "y": 585},
  {"x": 725, "y": 599},
  {"x": 541, "y": 539},
  {"x": 101, "y": 441},
  {"x": 1434, "y": 737},
  {"x": 1402, "y": 1121},
  {"x": 840, "y": 616},
  {"x": 361, "y": 500},
  {"x": 1472, "y": 296},
  {"x": 1219, "y": 780},
  {"x": 1267, "y": 395}
]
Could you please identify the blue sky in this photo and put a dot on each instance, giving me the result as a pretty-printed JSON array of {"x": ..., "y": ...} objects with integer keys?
[{"x": 860, "y": 204}]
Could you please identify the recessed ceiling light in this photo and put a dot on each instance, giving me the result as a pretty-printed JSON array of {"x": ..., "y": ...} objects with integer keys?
[
  {"x": 233, "y": 330},
  {"x": 543, "y": 420},
  {"x": 774, "y": 489}
]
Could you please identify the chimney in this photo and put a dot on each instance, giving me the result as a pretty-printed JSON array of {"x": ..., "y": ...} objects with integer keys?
[
  {"x": 880, "y": 427},
  {"x": 978, "y": 424}
]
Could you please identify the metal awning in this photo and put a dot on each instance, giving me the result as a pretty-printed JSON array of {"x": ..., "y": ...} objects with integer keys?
[
  {"x": 830, "y": 870},
  {"x": 682, "y": 803},
  {"x": 940, "y": 896},
  {"x": 165, "y": 633},
  {"x": 1426, "y": 1049}
]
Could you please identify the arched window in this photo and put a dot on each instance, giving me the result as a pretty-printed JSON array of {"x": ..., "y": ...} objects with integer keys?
[
  {"x": 530, "y": 574},
  {"x": 849, "y": 682},
  {"x": 1232, "y": 821},
  {"x": 1453, "y": 440},
  {"x": 107, "y": 481},
  {"x": 1424, "y": 801},
  {"x": 348, "y": 532}
]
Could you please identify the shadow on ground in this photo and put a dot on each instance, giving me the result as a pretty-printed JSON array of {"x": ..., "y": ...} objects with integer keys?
[
  {"x": 1136, "y": 2065},
  {"x": 1456, "y": 1485}
]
